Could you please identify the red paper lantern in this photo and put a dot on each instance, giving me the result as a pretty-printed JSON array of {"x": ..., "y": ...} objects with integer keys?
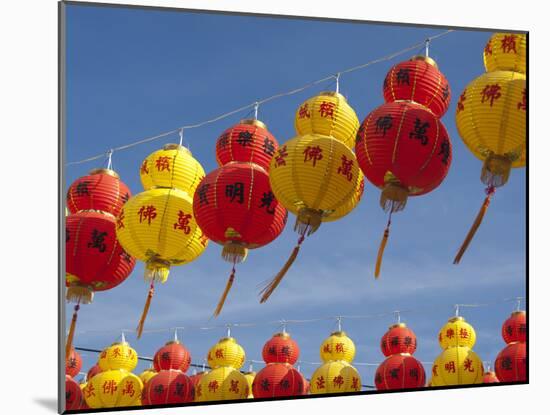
[
  {"x": 73, "y": 363},
  {"x": 514, "y": 328},
  {"x": 281, "y": 348},
  {"x": 511, "y": 363},
  {"x": 101, "y": 190},
  {"x": 418, "y": 80},
  {"x": 398, "y": 339},
  {"x": 173, "y": 355},
  {"x": 168, "y": 386},
  {"x": 94, "y": 370},
  {"x": 400, "y": 371},
  {"x": 248, "y": 141},
  {"x": 490, "y": 377},
  {"x": 73, "y": 394},
  {"x": 278, "y": 379}
]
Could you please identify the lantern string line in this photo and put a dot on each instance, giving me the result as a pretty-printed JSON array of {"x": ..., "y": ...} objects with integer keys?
[{"x": 254, "y": 105}]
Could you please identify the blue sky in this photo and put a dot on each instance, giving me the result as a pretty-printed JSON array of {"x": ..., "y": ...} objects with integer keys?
[{"x": 135, "y": 73}]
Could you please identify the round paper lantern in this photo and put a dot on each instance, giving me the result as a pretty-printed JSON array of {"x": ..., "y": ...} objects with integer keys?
[
  {"x": 173, "y": 166},
  {"x": 146, "y": 375},
  {"x": 227, "y": 352},
  {"x": 250, "y": 380},
  {"x": 398, "y": 339},
  {"x": 73, "y": 363},
  {"x": 511, "y": 363},
  {"x": 506, "y": 52},
  {"x": 514, "y": 328},
  {"x": 94, "y": 370},
  {"x": 490, "y": 377},
  {"x": 418, "y": 80},
  {"x": 335, "y": 377},
  {"x": 457, "y": 332},
  {"x": 173, "y": 355},
  {"x": 327, "y": 114},
  {"x": 281, "y": 348},
  {"x": 118, "y": 355},
  {"x": 457, "y": 365},
  {"x": 222, "y": 384},
  {"x": 73, "y": 394},
  {"x": 400, "y": 371},
  {"x": 338, "y": 346},
  {"x": 113, "y": 388},
  {"x": 168, "y": 387},
  {"x": 248, "y": 141},
  {"x": 277, "y": 380}
]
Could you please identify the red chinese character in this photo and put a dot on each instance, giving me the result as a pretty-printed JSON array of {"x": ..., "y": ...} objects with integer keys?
[
  {"x": 313, "y": 154},
  {"x": 143, "y": 169},
  {"x": 234, "y": 386},
  {"x": 304, "y": 112},
  {"x": 198, "y": 390},
  {"x": 360, "y": 190},
  {"x": 89, "y": 391},
  {"x": 489, "y": 48},
  {"x": 320, "y": 381},
  {"x": 355, "y": 383},
  {"x": 326, "y": 109},
  {"x": 490, "y": 93},
  {"x": 129, "y": 389},
  {"x": 463, "y": 333},
  {"x": 103, "y": 354},
  {"x": 109, "y": 386},
  {"x": 338, "y": 381},
  {"x": 219, "y": 353},
  {"x": 339, "y": 347},
  {"x": 523, "y": 104},
  {"x": 120, "y": 220},
  {"x": 129, "y": 353},
  {"x": 147, "y": 212},
  {"x": 163, "y": 163},
  {"x": 468, "y": 365},
  {"x": 508, "y": 44},
  {"x": 280, "y": 156},
  {"x": 434, "y": 370},
  {"x": 345, "y": 168},
  {"x": 460, "y": 105},
  {"x": 450, "y": 367},
  {"x": 203, "y": 239},
  {"x": 183, "y": 222},
  {"x": 116, "y": 352},
  {"x": 326, "y": 348},
  {"x": 450, "y": 333},
  {"x": 213, "y": 386}
]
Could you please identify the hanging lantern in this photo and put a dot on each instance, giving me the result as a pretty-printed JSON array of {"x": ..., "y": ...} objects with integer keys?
[
  {"x": 491, "y": 118},
  {"x": 458, "y": 365},
  {"x": 338, "y": 346},
  {"x": 457, "y": 332},
  {"x": 146, "y": 376},
  {"x": 113, "y": 388},
  {"x": 73, "y": 363},
  {"x": 511, "y": 363},
  {"x": 278, "y": 380},
  {"x": 514, "y": 328},
  {"x": 226, "y": 352},
  {"x": 400, "y": 371},
  {"x": 94, "y": 370},
  {"x": 222, "y": 384},
  {"x": 73, "y": 394},
  {"x": 398, "y": 339},
  {"x": 168, "y": 387},
  {"x": 335, "y": 376},
  {"x": 281, "y": 348},
  {"x": 490, "y": 377},
  {"x": 173, "y": 355},
  {"x": 118, "y": 355},
  {"x": 249, "y": 381},
  {"x": 327, "y": 114}
]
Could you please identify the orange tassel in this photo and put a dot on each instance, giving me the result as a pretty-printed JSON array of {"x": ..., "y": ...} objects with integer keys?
[
  {"x": 139, "y": 328},
  {"x": 70, "y": 336},
  {"x": 381, "y": 252},
  {"x": 479, "y": 218},
  {"x": 225, "y": 292}
]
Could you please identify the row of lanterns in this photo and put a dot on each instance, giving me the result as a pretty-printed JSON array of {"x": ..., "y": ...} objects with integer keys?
[{"x": 110, "y": 382}]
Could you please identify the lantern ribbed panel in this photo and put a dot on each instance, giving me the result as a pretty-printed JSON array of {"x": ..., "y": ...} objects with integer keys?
[
  {"x": 146, "y": 375},
  {"x": 101, "y": 190},
  {"x": 418, "y": 81},
  {"x": 403, "y": 140},
  {"x": 511, "y": 363},
  {"x": 400, "y": 371},
  {"x": 227, "y": 352},
  {"x": 248, "y": 141},
  {"x": 94, "y": 370},
  {"x": 457, "y": 332},
  {"x": 490, "y": 377},
  {"x": 506, "y": 52},
  {"x": 281, "y": 348},
  {"x": 113, "y": 388},
  {"x": 398, "y": 339},
  {"x": 73, "y": 394},
  {"x": 327, "y": 114},
  {"x": 278, "y": 380},
  {"x": 168, "y": 387},
  {"x": 173, "y": 355},
  {"x": 118, "y": 356},
  {"x": 338, "y": 346},
  {"x": 249, "y": 381},
  {"x": 491, "y": 116},
  {"x": 336, "y": 376},
  {"x": 457, "y": 365},
  {"x": 171, "y": 167},
  {"x": 73, "y": 363},
  {"x": 222, "y": 384},
  {"x": 514, "y": 328},
  {"x": 318, "y": 180}
]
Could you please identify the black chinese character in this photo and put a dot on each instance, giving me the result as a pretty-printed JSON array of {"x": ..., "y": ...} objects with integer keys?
[
  {"x": 413, "y": 373},
  {"x": 419, "y": 132},
  {"x": 285, "y": 350},
  {"x": 384, "y": 123},
  {"x": 265, "y": 384},
  {"x": 408, "y": 341},
  {"x": 224, "y": 140},
  {"x": 269, "y": 147},
  {"x": 159, "y": 389},
  {"x": 235, "y": 191},
  {"x": 125, "y": 197},
  {"x": 445, "y": 151},
  {"x": 82, "y": 188},
  {"x": 402, "y": 76},
  {"x": 267, "y": 199},
  {"x": 394, "y": 373},
  {"x": 394, "y": 341},
  {"x": 245, "y": 138},
  {"x": 98, "y": 240},
  {"x": 202, "y": 190},
  {"x": 445, "y": 92},
  {"x": 179, "y": 389},
  {"x": 165, "y": 356}
]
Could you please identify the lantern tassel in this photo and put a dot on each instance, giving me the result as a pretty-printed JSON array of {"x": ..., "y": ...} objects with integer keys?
[
  {"x": 225, "y": 292},
  {"x": 473, "y": 229},
  {"x": 268, "y": 290},
  {"x": 141, "y": 323},
  {"x": 382, "y": 247},
  {"x": 70, "y": 336}
]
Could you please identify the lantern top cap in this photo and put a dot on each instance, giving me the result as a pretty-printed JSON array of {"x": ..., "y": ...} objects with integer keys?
[
  {"x": 123, "y": 343},
  {"x": 283, "y": 335},
  {"x": 332, "y": 94},
  {"x": 339, "y": 333},
  {"x": 456, "y": 318},
  {"x": 404, "y": 354},
  {"x": 426, "y": 59},
  {"x": 227, "y": 339},
  {"x": 172, "y": 342},
  {"x": 174, "y": 146},
  {"x": 518, "y": 312},
  {"x": 396, "y": 325},
  {"x": 249, "y": 373},
  {"x": 104, "y": 171},
  {"x": 251, "y": 121}
]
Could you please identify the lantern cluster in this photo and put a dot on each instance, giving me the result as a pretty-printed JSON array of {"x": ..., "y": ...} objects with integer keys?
[
  {"x": 336, "y": 374},
  {"x": 157, "y": 226},
  {"x": 491, "y": 117},
  {"x": 400, "y": 370},
  {"x": 279, "y": 378},
  {"x": 224, "y": 381},
  {"x": 315, "y": 175},
  {"x": 95, "y": 260},
  {"x": 402, "y": 146},
  {"x": 234, "y": 205},
  {"x": 458, "y": 364},
  {"x": 511, "y": 362}
]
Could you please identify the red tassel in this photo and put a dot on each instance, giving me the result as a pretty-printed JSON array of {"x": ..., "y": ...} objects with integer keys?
[
  {"x": 70, "y": 336},
  {"x": 141, "y": 323},
  {"x": 382, "y": 247},
  {"x": 225, "y": 292}
]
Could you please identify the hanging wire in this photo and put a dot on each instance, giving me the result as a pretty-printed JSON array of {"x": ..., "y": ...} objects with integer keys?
[
  {"x": 268, "y": 99},
  {"x": 181, "y": 136},
  {"x": 398, "y": 316},
  {"x": 110, "y": 159},
  {"x": 337, "y": 76},
  {"x": 256, "y": 106},
  {"x": 427, "y": 45}
]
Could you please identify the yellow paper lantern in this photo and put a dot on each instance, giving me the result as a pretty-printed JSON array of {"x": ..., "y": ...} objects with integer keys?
[
  {"x": 457, "y": 332},
  {"x": 173, "y": 166},
  {"x": 226, "y": 352},
  {"x": 457, "y": 365},
  {"x": 328, "y": 114},
  {"x": 147, "y": 374},
  {"x": 113, "y": 388},
  {"x": 250, "y": 379},
  {"x": 118, "y": 356},
  {"x": 222, "y": 384},
  {"x": 335, "y": 376},
  {"x": 338, "y": 346},
  {"x": 506, "y": 52}
]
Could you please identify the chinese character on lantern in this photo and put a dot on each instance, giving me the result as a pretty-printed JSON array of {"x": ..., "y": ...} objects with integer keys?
[
  {"x": 313, "y": 153},
  {"x": 402, "y": 76},
  {"x": 129, "y": 389},
  {"x": 98, "y": 240},
  {"x": 109, "y": 386},
  {"x": 450, "y": 367},
  {"x": 419, "y": 132},
  {"x": 320, "y": 381},
  {"x": 163, "y": 163},
  {"x": 460, "y": 104},
  {"x": 147, "y": 213},
  {"x": 338, "y": 381},
  {"x": 267, "y": 199},
  {"x": 82, "y": 188},
  {"x": 213, "y": 386},
  {"x": 268, "y": 146},
  {"x": 468, "y": 365},
  {"x": 326, "y": 109},
  {"x": 183, "y": 222},
  {"x": 144, "y": 169},
  {"x": 383, "y": 124},
  {"x": 490, "y": 93},
  {"x": 234, "y": 386},
  {"x": 235, "y": 191},
  {"x": 345, "y": 168},
  {"x": 304, "y": 112},
  {"x": 245, "y": 138},
  {"x": 508, "y": 44},
  {"x": 450, "y": 333},
  {"x": 202, "y": 190},
  {"x": 281, "y": 155},
  {"x": 523, "y": 104}
]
